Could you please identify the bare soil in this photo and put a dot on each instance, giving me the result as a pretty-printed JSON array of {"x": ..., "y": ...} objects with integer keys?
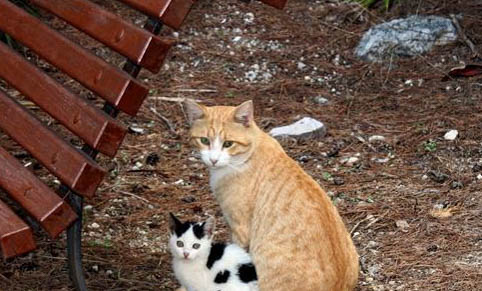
[{"x": 412, "y": 201}]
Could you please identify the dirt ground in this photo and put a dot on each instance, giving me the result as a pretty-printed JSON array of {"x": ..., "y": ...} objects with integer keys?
[{"x": 411, "y": 200}]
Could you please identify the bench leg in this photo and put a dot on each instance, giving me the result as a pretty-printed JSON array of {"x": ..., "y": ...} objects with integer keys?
[
  {"x": 74, "y": 232},
  {"x": 74, "y": 245}
]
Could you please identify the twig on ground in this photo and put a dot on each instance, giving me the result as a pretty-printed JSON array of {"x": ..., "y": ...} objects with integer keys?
[
  {"x": 468, "y": 42},
  {"x": 134, "y": 195},
  {"x": 197, "y": 90},
  {"x": 172, "y": 99},
  {"x": 165, "y": 120}
]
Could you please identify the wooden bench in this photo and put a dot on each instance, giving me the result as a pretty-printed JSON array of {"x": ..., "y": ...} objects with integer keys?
[{"x": 77, "y": 170}]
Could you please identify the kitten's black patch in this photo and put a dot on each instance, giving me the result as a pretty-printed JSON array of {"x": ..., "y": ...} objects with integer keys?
[
  {"x": 217, "y": 251},
  {"x": 247, "y": 273},
  {"x": 182, "y": 228},
  {"x": 178, "y": 226},
  {"x": 222, "y": 277},
  {"x": 198, "y": 230}
]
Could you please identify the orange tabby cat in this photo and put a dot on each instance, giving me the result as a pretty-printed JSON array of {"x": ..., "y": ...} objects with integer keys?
[{"x": 292, "y": 230}]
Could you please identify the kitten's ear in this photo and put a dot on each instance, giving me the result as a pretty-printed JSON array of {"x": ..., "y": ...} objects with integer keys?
[
  {"x": 173, "y": 222},
  {"x": 244, "y": 113},
  {"x": 209, "y": 226},
  {"x": 194, "y": 111}
]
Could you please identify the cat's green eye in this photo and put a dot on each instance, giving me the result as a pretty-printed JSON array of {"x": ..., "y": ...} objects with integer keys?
[
  {"x": 205, "y": 141},
  {"x": 179, "y": 244},
  {"x": 196, "y": 246},
  {"x": 227, "y": 144}
]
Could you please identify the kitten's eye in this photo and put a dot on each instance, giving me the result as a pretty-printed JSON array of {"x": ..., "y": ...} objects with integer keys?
[
  {"x": 227, "y": 144},
  {"x": 205, "y": 141},
  {"x": 179, "y": 244},
  {"x": 196, "y": 246}
]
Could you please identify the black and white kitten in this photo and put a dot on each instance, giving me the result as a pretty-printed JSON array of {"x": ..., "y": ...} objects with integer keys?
[{"x": 201, "y": 265}]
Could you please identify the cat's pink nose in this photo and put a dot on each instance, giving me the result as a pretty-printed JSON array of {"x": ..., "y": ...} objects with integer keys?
[
  {"x": 186, "y": 255},
  {"x": 213, "y": 161}
]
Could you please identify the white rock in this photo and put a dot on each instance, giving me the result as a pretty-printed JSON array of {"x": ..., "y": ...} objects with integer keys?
[
  {"x": 320, "y": 100},
  {"x": 350, "y": 161},
  {"x": 94, "y": 225},
  {"x": 376, "y": 138},
  {"x": 451, "y": 134},
  {"x": 303, "y": 127},
  {"x": 402, "y": 224},
  {"x": 137, "y": 130},
  {"x": 249, "y": 17},
  {"x": 301, "y": 65},
  {"x": 479, "y": 177},
  {"x": 236, "y": 39}
]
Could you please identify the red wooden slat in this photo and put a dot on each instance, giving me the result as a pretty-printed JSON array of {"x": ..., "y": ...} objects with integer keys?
[
  {"x": 15, "y": 236},
  {"x": 171, "y": 12},
  {"x": 129, "y": 40},
  {"x": 71, "y": 166},
  {"x": 280, "y": 4},
  {"x": 54, "y": 214},
  {"x": 109, "y": 82},
  {"x": 96, "y": 128}
]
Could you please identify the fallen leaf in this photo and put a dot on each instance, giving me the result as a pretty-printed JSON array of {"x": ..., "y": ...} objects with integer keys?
[
  {"x": 464, "y": 72},
  {"x": 444, "y": 212}
]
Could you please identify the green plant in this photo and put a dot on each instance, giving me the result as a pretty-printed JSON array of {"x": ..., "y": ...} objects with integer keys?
[
  {"x": 430, "y": 146},
  {"x": 370, "y": 3}
]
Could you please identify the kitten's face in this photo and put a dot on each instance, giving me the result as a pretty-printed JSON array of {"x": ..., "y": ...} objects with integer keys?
[
  {"x": 222, "y": 134},
  {"x": 190, "y": 241}
]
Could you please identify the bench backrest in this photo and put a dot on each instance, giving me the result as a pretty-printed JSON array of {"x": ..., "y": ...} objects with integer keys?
[{"x": 100, "y": 132}]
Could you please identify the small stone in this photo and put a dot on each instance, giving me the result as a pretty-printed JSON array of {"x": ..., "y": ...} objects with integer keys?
[
  {"x": 338, "y": 181},
  {"x": 94, "y": 225},
  {"x": 109, "y": 272},
  {"x": 403, "y": 225},
  {"x": 249, "y": 17},
  {"x": 350, "y": 161},
  {"x": 437, "y": 176},
  {"x": 372, "y": 244},
  {"x": 457, "y": 185},
  {"x": 376, "y": 138},
  {"x": 451, "y": 134},
  {"x": 95, "y": 268},
  {"x": 137, "y": 166},
  {"x": 304, "y": 127},
  {"x": 320, "y": 100},
  {"x": 479, "y": 177},
  {"x": 88, "y": 208},
  {"x": 137, "y": 130},
  {"x": 237, "y": 39},
  {"x": 301, "y": 65}
]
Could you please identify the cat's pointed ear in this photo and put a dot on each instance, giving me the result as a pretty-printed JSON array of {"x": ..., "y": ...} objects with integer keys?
[
  {"x": 244, "y": 113},
  {"x": 194, "y": 111},
  {"x": 209, "y": 226},
  {"x": 173, "y": 222}
]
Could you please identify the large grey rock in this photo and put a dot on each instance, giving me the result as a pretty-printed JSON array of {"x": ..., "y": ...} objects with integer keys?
[
  {"x": 304, "y": 127},
  {"x": 410, "y": 36}
]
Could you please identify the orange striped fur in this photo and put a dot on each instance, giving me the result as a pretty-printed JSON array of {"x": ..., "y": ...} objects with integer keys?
[{"x": 294, "y": 233}]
